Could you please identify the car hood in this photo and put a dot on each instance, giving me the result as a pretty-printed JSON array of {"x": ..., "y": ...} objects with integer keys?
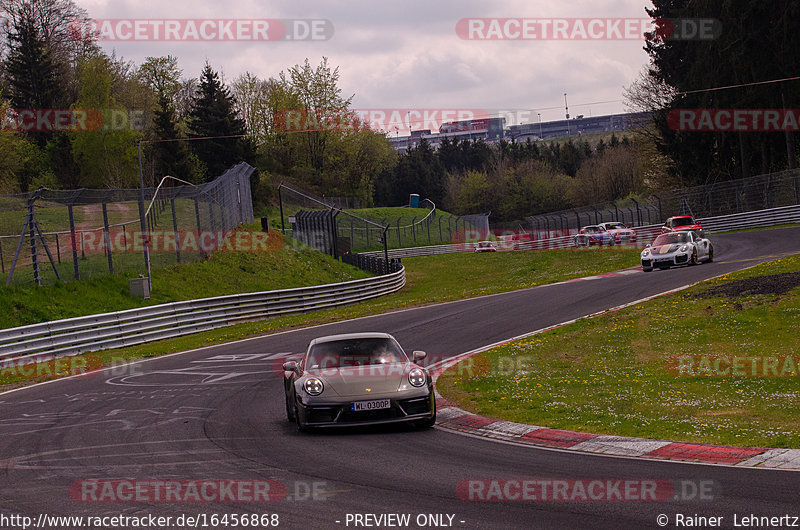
[
  {"x": 666, "y": 249},
  {"x": 371, "y": 380}
]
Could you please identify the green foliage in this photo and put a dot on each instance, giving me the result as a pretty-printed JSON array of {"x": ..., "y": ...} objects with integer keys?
[
  {"x": 222, "y": 273},
  {"x": 106, "y": 156},
  {"x": 31, "y": 68},
  {"x": 617, "y": 373},
  {"x": 758, "y": 42}
]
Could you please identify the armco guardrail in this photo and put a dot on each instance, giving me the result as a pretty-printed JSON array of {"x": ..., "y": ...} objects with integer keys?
[
  {"x": 722, "y": 223},
  {"x": 757, "y": 219},
  {"x": 136, "y": 326}
]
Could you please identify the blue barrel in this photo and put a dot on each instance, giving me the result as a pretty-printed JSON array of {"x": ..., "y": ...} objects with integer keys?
[{"x": 413, "y": 200}]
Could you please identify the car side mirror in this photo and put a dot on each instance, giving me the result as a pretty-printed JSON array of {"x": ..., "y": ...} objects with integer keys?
[
  {"x": 291, "y": 366},
  {"x": 647, "y": 245},
  {"x": 418, "y": 356}
]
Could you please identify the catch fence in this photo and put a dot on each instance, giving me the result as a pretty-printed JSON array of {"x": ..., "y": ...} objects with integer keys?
[
  {"x": 48, "y": 235},
  {"x": 756, "y": 193}
]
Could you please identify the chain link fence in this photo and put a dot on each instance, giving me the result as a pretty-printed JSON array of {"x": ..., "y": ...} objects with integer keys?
[
  {"x": 47, "y": 235},
  {"x": 373, "y": 229},
  {"x": 721, "y": 198}
]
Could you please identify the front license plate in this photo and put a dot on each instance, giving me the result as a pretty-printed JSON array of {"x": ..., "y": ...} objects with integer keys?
[{"x": 371, "y": 405}]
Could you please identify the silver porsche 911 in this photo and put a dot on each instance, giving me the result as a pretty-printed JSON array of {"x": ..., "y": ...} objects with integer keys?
[
  {"x": 677, "y": 248},
  {"x": 358, "y": 379}
]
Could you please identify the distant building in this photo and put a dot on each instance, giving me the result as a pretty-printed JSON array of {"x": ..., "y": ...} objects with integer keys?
[{"x": 492, "y": 130}]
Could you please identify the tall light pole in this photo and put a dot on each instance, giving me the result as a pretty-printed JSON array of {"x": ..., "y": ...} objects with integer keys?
[
  {"x": 566, "y": 108},
  {"x": 142, "y": 225},
  {"x": 541, "y": 136}
]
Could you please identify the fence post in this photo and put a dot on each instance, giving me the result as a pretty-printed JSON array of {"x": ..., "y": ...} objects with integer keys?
[
  {"x": 107, "y": 237},
  {"x": 2, "y": 261},
  {"x": 413, "y": 229},
  {"x": 638, "y": 213},
  {"x": 34, "y": 251},
  {"x": 385, "y": 244},
  {"x": 58, "y": 249},
  {"x": 175, "y": 229},
  {"x": 399, "y": 243},
  {"x": 440, "y": 229},
  {"x": 428, "y": 226}
]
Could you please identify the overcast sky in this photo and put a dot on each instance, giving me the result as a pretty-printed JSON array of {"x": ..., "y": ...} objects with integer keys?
[{"x": 406, "y": 54}]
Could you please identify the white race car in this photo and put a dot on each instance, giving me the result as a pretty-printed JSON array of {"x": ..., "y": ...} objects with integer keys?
[
  {"x": 621, "y": 233},
  {"x": 677, "y": 248}
]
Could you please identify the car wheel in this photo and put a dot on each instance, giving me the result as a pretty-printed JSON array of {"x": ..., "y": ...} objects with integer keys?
[
  {"x": 647, "y": 270},
  {"x": 710, "y": 254},
  {"x": 289, "y": 410},
  {"x": 301, "y": 427},
  {"x": 693, "y": 259}
]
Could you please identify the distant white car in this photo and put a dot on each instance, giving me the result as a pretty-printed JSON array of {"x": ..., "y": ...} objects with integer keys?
[
  {"x": 677, "y": 248},
  {"x": 621, "y": 233},
  {"x": 485, "y": 246}
]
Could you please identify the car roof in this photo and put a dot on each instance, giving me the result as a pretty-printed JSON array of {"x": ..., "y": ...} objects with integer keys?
[{"x": 350, "y": 336}]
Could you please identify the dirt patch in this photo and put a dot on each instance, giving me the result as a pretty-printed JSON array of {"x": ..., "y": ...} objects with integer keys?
[{"x": 776, "y": 284}]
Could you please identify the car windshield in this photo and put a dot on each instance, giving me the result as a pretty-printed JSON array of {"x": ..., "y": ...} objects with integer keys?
[
  {"x": 682, "y": 221},
  {"x": 354, "y": 352},
  {"x": 614, "y": 226},
  {"x": 671, "y": 239},
  {"x": 592, "y": 229}
]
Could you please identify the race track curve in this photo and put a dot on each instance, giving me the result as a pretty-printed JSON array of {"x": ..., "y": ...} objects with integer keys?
[{"x": 217, "y": 413}]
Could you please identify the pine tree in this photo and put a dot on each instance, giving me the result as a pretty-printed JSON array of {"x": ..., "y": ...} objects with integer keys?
[
  {"x": 33, "y": 74},
  {"x": 213, "y": 116},
  {"x": 171, "y": 157}
]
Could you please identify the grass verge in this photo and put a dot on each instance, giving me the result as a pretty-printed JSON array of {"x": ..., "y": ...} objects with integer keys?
[
  {"x": 430, "y": 279},
  {"x": 651, "y": 370},
  {"x": 222, "y": 273}
]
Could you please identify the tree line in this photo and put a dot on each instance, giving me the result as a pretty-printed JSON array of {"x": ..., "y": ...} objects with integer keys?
[
  {"x": 190, "y": 128},
  {"x": 757, "y": 43},
  {"x": 515, "y": 179},
  {"x": 194, "y": 128}
]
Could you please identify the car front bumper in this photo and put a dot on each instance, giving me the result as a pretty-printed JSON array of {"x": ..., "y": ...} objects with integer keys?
[
  {"x": 666, "y": 260},
  {"x": 340, "y": 414}
]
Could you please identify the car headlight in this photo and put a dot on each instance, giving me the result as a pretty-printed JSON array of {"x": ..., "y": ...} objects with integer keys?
[
  {"x": 684, "y": 247},
  {"x": 646, "y": 252},
  {"x": 313, "y": 387},
  {"x": 417, "y": 377}
]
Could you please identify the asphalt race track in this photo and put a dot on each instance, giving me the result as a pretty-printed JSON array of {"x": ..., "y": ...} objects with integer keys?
[{"x": 218, "y": 414}]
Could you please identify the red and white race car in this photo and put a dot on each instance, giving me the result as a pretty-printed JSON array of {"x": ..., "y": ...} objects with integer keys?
[
  {"x": 593, "y": 235},
  {"x": 680, "y": 223}
]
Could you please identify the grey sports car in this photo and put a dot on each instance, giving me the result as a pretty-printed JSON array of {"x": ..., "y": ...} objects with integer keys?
[
  {"x": 358, "y": 379},
  {"x": 677, "y": 248}
]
